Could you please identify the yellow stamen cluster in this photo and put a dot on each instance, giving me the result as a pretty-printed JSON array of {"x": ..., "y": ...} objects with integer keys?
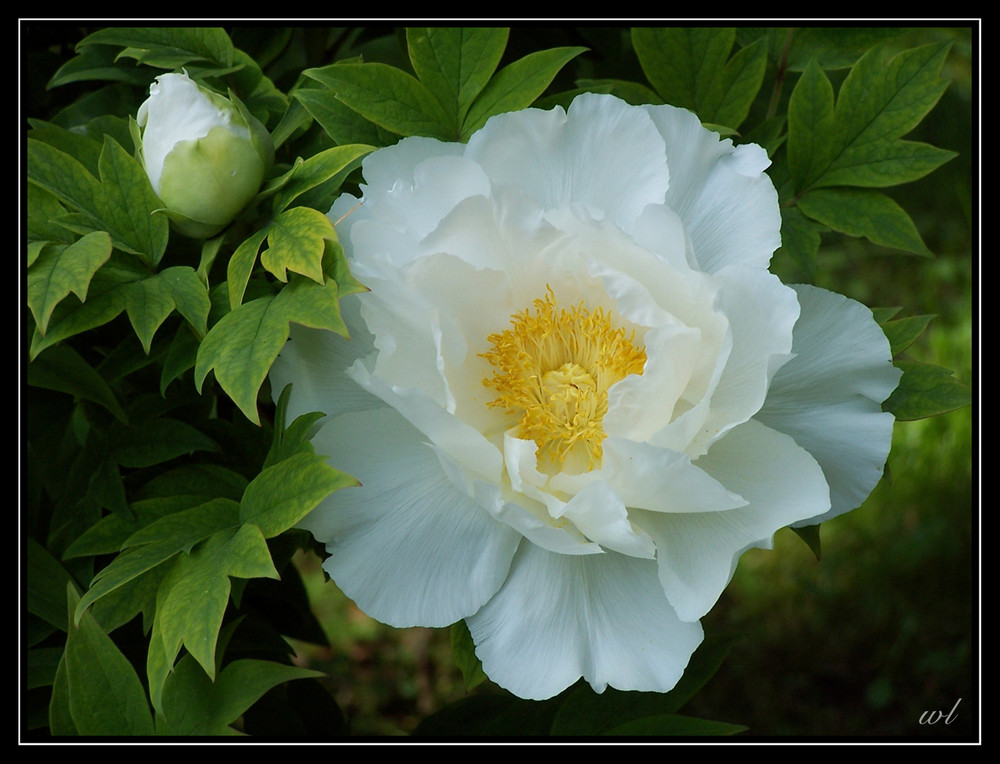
[{"x": 554, "y": 368}]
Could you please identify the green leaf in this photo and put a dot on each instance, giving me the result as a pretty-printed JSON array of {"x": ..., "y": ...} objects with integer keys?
[
  {"x": 169, "y": 47},
  {"x": 96, "y": 62},
  {"x": 41, "y": 665},
  {"x": 121, "y": 203},
  {"x": 731, "y": 96},
  {"x": 879, "y": 102},
  {"x": 180, "y": 357},
  {"x": 105, "y": 300},
  {"x": 181, "y": 531},
  {"x": 294, "y": 119},
  {"x": 516, "y": 86},
  {"x": 158, "y": 663},
  {"x": 127, "y": 601},
  {"x": 881, "y": 315},
  {"x": 105, "y": 694},
  {"x": 60, "y": 719},
  {"x": 198, "y": 479},
  {"x": 680, "y": 63},
  {"x": 925, "y": 390},
  {"x": 198, "y": 589},
  {"x": 241, "y": 266},
  {"x": 335, "y": 264},
  {"x": 80, "y": 146},
  {"x": 491, "y": 715},
  {"x": 884, "y": 164},
  {"x": 584, "y": 712},
  {"x": 704, "y": 664},
  {"x": 387, "y": 96},
  {"x": 864, "y": 212},
  {"x": 110, "y": 533},
  {"x": 690, "y": 67},
  {"x": 631, "y": 92},
  {"x": 34, "y": 250},
  {"x": 883, "y": 100},
  {"x": 61, "y": 175},
  {"x": 810, "y": 124},
  {"x": 318, "y": 169},
  {"x": 189, "y": 295},
  {"x": 195, "y": 705},
  {"x": 241, "y": 347},
  {"x": 834, "y": 47},
  {"x": 158, "y": 542},
  {"x": 143, "y": 444},
  {"x": 147, "y": 303},
  {"x": 286, "y": 492},
  {"x": 61, "y": 368},
  {"x": 295, "y": 439},
  {"x": 800, "y": 238},
  {"x": 43, "y": 208},
  {"x": 59, "y": 270},
  {"x": 209, "y": 251},
  {"x": 455, "y": 63},
  {"x": 46, "y": 580},
  {"x": 296, "y": 242},
  {"x": 127, "y": 204},
  {"x": 247, "y": 80},
  {"x": 903, "y": 331},
  {"x": 463, "y": 652},
  {"x": 339, "y": 121},
  {"x": 107, "y": 489},
  {"x": 150, "y": 301},
  {"x": 769, "y": 134},
  {"x": 674, "y": 725}
]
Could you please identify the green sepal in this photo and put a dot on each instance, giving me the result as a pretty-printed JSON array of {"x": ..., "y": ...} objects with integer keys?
[{"x": 810, "y": 535}]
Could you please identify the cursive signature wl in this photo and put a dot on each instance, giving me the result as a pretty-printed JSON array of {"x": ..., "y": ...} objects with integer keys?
[{"x": 935, "y": 716}]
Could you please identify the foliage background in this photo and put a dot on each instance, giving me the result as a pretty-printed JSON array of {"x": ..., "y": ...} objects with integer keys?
[{"x": 861, "y": 643}]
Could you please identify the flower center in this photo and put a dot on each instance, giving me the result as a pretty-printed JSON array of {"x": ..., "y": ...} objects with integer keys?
[{"x": 553, "y": 368}]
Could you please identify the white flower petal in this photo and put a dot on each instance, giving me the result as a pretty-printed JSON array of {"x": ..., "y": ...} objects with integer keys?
[
  {"x": 536, "y": 527},
  {"x": 391, "y": 174},
  {"x": 540, "y": 152},
  {"x": 674, "y": 355},
  {"x": 657, "y": 479},
  {"x": 407, "y": 332},
  {"x": 602, "y": 617},
  {"x": 697, "y": 552},
  {"x": 494, "y": 232},
  {"x": 761, "y": 312},
  {"x": 660, "y": 230},
  {"x": 461, "y": 443},
  {"x": 406, "y": 545},
  {"x": 829, "y": 396},
  {"x": 439, "y": 183},
  {"x": 599, "y": 513},
  {"x": 728, "y": 205}
]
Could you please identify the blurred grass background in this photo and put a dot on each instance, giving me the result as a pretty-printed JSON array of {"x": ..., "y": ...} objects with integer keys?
[{"x": 884, "y": 627}]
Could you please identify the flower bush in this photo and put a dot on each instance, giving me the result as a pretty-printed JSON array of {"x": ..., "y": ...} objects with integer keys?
[{"x": 574, "y": 394}]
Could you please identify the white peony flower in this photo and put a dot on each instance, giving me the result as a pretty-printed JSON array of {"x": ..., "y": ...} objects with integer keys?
[
  {"x": 204, "y": 159},
  {"x": 575, "y": 394}
]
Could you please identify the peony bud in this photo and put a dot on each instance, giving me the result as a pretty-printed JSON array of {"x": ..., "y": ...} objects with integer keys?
[{"x": 205, "y": 158}]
